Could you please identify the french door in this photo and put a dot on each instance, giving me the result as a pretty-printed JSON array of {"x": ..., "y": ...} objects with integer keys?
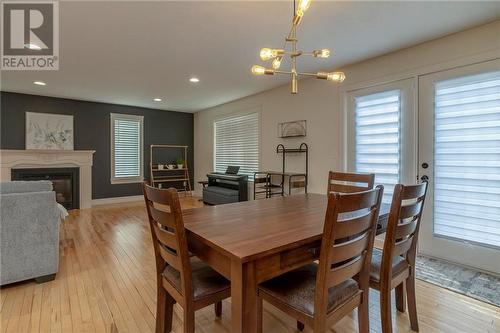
[{"x": 459, "y": 155}]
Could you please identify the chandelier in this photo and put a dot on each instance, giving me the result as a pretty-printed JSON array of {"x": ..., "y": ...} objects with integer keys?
[{"x": 278, "y": 55}]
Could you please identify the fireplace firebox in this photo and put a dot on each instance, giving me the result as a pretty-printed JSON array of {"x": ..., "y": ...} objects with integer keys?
[{"x": 64, "y": 180}]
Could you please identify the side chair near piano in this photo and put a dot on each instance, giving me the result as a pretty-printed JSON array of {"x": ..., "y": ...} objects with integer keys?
[
  {"x": 394, "y": 267},
  {"x": 187, "y": 281},
  {"x": 319, "y": 295},
  {"x": 345, "y": 182}
]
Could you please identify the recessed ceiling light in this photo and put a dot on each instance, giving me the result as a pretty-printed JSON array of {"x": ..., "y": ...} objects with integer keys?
[
  {"x": 33, "y": 47},
  {"x": 40, "y": 83},
  {"x": 194, "y": 80},
  {"x": 157, "y": 99}
]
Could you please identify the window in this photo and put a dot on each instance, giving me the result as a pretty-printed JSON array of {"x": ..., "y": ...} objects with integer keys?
[
  {"x": 127, "y": 162},
  {"x": 236, "y": 141},
  {"x": 381, "y": 133},
  {"x": 467, "y": 158},
  {"x": 378, "y": 130}
]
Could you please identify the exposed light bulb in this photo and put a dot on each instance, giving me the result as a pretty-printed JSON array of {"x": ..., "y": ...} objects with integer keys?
[
  {"x": 336, "y": 77},
  {"x": 333, "y": 76},
  {"x": 277, "y": 62},
  {"x": 40, "y": 83},
  {"x": 303, "y": 5},
  {"x": 259, "y": 70},
  {"x": 323, "y": 53},
  {"x": 268, "y": 54}
]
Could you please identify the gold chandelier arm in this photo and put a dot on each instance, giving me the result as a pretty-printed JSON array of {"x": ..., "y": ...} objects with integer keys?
[{"x": 307, "y": 74}]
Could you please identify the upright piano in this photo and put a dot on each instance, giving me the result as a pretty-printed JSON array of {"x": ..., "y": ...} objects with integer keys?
[{"x": 225, "y": 188}]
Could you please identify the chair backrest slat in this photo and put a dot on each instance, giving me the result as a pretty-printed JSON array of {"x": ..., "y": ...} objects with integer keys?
[
  {"x": 346, "y": 182},
  {"x": 349, "y": 249},
  {"x": 166, "y": 219},
  {"x": 402, "y": 246},
  {"x": 348, "y": 235},
  {"x": 346, "y": 270},
  {"x": 166, "y": 237},
  {"x": 410, "y": 210},
  {"x": 405, "y": 229},
  {"x": 354, "y": 226},
  {"x": 169, "y": 236},
  {"x": 170, "y": 257},
  {"x": 414, "y": 191},
  {"x": 403, "y": 226}
]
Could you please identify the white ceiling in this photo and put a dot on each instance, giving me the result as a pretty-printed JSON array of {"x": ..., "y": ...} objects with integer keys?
[{"x": 129, "y": 52}]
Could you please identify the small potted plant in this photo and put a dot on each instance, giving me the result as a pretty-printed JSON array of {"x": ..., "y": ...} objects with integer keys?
[{"x": 180, "y": 163}]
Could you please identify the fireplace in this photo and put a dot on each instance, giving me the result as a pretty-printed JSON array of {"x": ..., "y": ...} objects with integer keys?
[{"x": 64, "y": 180}]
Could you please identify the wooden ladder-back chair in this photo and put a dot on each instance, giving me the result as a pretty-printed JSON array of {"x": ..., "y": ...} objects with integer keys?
[
  {"x": 180, "y": 278},
  {"x": 345, "y": 182},
  {"x": 321, "y": 294},
  {"x": 395, "y": 265}
]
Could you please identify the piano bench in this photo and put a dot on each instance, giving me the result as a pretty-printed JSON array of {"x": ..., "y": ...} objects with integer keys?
[{"x": 217, "y": 195}]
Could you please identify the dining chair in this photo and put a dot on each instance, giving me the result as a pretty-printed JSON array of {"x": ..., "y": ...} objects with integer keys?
[
  {"x": 180, "y": 278},
  {"x": 394, "y": 266},
  {"x": 321, "y": 294},
  {"x": 348, "y": 182}
]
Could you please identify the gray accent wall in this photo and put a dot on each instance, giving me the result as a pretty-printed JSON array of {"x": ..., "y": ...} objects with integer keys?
[{"x": 92, "y": 132}]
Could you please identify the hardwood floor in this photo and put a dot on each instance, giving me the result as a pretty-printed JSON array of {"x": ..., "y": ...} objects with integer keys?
[{"x": 106, "y": 283}]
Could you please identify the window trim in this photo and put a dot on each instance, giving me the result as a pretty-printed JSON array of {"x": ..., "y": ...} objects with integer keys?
[
  {"x": 255, "y": 110},
  {"x": 126, "y": 180}
]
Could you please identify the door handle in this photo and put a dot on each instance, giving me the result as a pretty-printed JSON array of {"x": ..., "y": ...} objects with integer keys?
[{"x": 424, "y": 178}]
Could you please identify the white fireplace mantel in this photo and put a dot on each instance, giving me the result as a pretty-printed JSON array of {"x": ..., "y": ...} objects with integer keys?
[{"x": 83, "y": 159}]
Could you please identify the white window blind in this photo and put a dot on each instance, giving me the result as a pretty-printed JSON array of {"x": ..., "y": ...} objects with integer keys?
[
  {"x": 237, "y": 143},
  {"x": 467, "y": 158},
  {"x": 377, "y": 127},
  {"x": 127, "y": 148}
]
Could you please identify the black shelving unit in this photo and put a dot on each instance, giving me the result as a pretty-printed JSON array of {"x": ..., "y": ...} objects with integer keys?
[{"x": 263, "y": 180}]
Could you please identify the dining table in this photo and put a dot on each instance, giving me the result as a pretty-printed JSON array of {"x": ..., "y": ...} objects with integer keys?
[{"x": 254, "y": 241}]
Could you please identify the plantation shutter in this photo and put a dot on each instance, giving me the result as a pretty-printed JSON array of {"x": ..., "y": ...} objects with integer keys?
[
  {"x": 377, "y": 127},
  {"x": 127, "y": 146},
  {"x": 237, "y": 143},
  {"x": 467, "y": 158}
]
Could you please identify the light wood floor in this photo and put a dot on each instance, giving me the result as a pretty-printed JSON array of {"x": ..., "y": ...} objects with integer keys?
[{"x": 106, "y": 283}]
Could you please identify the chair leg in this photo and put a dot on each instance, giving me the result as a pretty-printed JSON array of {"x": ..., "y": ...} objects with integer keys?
[
  {"x": 218, "y": 309},
  {"x": 400, "y": 297},
  {"x": 189, "y": 321},
  {"x": 259, "y": 314},
  {"x": 412, "y": 302},
  {"x": 385, "y": 311},
  {"x": 363, "y": 314},
  {"x": 164, "y": 311},
  {"x": 300, "y": 326}
]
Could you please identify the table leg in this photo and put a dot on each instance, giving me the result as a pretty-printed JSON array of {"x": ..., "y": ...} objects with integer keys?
[{"x": 243, "y": 297}]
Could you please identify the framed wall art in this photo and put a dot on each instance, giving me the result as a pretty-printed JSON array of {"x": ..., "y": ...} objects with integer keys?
[
  {"x": 291, "y": 129},
  {"x": 49, "y": 131}
]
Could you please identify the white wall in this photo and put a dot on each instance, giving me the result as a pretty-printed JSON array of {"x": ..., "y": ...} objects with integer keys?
[{"x": 320, "y": 102}]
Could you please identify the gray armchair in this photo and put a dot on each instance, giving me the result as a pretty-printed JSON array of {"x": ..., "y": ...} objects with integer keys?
[{"x": 29, "y": 229}]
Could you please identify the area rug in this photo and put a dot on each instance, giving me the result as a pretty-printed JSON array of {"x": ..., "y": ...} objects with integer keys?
[{"x": 481, "y": 286}]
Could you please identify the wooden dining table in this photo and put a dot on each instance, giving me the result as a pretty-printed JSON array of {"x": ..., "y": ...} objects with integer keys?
[{"x": 254, "y": 241}]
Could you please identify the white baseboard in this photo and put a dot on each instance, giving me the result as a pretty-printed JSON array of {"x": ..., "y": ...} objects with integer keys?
[{"x": 107, "y": 201}]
